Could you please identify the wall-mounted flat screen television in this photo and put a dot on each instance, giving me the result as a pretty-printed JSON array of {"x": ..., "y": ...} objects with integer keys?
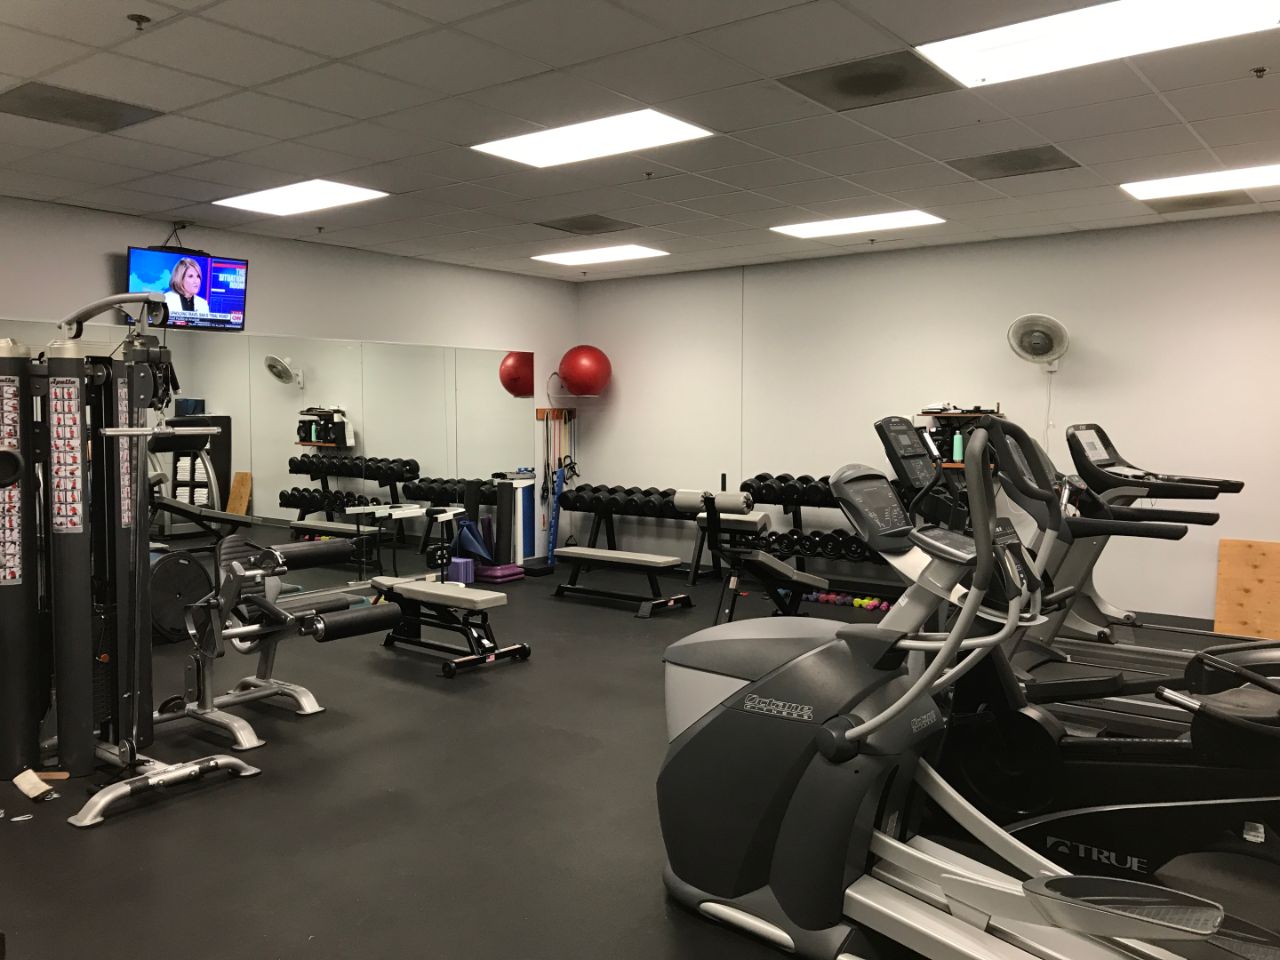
[{"x": 203, "y": 292}]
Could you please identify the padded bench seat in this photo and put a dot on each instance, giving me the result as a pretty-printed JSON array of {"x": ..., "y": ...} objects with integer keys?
[
  {"x": 332, "y": 526},
  {"x": 768, "y": 566},
  {"x": 647, "y": 563},
  {"x": 757, "y": 521},
  {"x": 451, "y": 595}
]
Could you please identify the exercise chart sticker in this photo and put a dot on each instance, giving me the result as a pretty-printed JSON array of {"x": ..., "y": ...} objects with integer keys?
[
  {"x": 67, "y": 452},
  {"x": 11, "y": 496},
  {"x": 126, "y": 457}
]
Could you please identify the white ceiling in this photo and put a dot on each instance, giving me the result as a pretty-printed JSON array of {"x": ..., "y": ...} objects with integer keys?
[{"x": 390, "y": 93}]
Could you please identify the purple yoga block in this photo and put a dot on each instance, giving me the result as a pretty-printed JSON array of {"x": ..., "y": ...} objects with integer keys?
[{"x": 462, "y": 570}]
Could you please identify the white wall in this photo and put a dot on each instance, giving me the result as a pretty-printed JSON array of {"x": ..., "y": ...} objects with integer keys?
[
  {"x": 784, "y": 367},
  {"x": 492, "y": 425},
  {"x": 54, "y": 259}
]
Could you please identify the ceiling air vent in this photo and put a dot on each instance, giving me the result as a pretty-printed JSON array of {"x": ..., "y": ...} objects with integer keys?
[
  {"x": 1014, "y": 163},
  {"x": 862, "y": 83},
  {"x": 588, "y": 224},
  {"x": 39, "y": 101}
]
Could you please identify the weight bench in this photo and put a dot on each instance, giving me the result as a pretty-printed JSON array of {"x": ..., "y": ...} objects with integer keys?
[
  {"x": 447, "y": 606},
  {"x": 649, "y": 564},
  {"x": 785, "y": 585}
]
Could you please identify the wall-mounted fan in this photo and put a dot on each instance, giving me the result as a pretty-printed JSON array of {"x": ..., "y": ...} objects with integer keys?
[
  {"x": 282, "y": 369},
  {"x": 1039, "y": 339}
]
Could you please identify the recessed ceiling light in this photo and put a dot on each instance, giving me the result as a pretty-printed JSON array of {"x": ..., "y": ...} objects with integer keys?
[
  {"x": 594, "y": 138},
  {"x": 576, "y": 258},
  {"x": 301, "y": 197},
  {"x": 876, "y": 221},
  {"x": 1107, "y": 31},
  {"x": 1197, "y": 183}
]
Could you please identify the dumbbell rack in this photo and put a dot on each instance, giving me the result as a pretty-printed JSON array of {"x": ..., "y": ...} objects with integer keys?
[{"x": 299, "y": 468}]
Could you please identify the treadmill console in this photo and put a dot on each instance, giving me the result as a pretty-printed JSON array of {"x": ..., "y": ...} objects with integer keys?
[
  {"x": 872, "y": 506},
  {"x": 906, "y": 452}
]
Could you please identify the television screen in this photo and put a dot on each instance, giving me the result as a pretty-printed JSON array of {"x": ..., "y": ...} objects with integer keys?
[{"x": 203, "y": 292}]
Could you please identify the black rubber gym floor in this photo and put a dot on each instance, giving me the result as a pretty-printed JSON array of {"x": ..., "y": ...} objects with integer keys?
[{"x": 507, "y": 813}]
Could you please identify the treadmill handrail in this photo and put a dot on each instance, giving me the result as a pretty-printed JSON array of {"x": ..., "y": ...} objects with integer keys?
[
  {"x": 1091, "y": 527},
  {"x": 1202, "y": 518}
]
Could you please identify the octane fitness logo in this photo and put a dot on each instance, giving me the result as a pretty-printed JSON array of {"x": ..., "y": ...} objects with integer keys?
[
  {"x": 777, "y": 708},
  {"x": 1094, "y": 854}
]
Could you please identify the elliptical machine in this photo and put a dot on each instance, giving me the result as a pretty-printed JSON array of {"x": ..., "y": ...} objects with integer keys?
[{"x": 801, "y": 751}]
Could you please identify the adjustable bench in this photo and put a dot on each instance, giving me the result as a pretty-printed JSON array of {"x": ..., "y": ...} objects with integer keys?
[
  {"x": 447, "y": 606},
  {"x": 649, "y": 564},
  {"x": 784, "y": 584}
]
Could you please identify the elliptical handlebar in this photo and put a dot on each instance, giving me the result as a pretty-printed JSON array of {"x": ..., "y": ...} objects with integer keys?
[
  {"x": 1042, "y": 489},
  {"x": 981, "y": 505}
]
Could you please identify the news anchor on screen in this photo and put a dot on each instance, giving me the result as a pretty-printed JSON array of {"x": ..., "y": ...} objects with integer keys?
[{"x": 184, "y": 285}]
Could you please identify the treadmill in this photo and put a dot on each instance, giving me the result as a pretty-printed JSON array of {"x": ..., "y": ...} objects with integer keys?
[{"x": 1118, "y": 483}]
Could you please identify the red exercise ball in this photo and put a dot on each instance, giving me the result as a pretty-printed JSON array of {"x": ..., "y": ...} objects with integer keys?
[
  {"x": 585, "y": 370},
  {"x": 516, "y": 373}
]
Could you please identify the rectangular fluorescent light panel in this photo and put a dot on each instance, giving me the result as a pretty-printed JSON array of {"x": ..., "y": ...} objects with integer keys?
[
  {"x": 301, "y": 198},
  {"x": 1095, "y": 34},
  {"x": 869, "y": 224},
  {"x": 575, "y": 258},
  {"x": 595, "y": 138},
  {"x": 1219, "y": 181}
]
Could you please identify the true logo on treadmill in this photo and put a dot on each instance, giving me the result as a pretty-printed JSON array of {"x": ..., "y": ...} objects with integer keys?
[{"x": 777, "y": 708}]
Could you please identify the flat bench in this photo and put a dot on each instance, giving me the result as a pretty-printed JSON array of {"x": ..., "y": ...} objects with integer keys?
[
  {"x": 447, "y": 606},
  {"x": 649, "y": 564},
  {"x": 784, "y": 584}
]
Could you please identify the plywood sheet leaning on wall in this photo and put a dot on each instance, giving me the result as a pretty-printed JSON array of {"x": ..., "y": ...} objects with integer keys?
[
  {"x": 241, "y": 488},
  {"x": 1248, "y": 601}
]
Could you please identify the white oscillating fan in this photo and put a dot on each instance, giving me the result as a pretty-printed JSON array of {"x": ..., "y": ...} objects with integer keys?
[
  {"x": 282, "y": 369},
  {"x": 1039, "y": 339}
]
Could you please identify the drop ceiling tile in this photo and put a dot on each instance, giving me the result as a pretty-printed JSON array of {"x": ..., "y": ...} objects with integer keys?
[
  {"x": 1031, "y": 218},
  {"x": 697, "y": 155},
  {"x": 1153, "y": 141},
  {"x": 300, "y": 159},
  {"x": 131, "y": 153},
  {"x": 458, "y": 121},
  {"x": 382, "y": 210},
  {"x": 686, "y": 186},
  {"x": 234, "y": 173},
  {"x": 799, "y": 38},
  {"x": 447, "y": 11},
  {"x": 395, "y": 176},
  {"x": 269, "y": 116},
  {"x": 774, "y": 216},
  {"x": 1095, "y": 120},
  {"x": 460, "y": 163},
  {"x": 805, "y": 136},
  {"x": 689, "y": 244},
  {"x": 100, "y": 24},
  {"x": 730, "y": 204},
  {"x": 851, "y": 207},
  {"x": 25, "y": 132},
  {"x": 1241, "y": 128},
  {"x": 1067, "y": 199},
  {"x": 1154, "y": 168},
  {"x": 563, "y": 32},
  {"x": 134, "y": 81},
  {"x": 656, "y": 214},
  {"x": 681, "y": 16},
  {"x": 10, "y": 152},
  {"x": 765, "y": 173},
  {"x": 196, "y": 135},
  {"x": 466, "y": 196},
  {"x": 977, "y": 139},
  {"x": 527, "y": 184},
  {"x": 1232, "y": 58},
  {"x": 968, "y": 191},
  {"x": 941, "y": 111},
  {"x": 34, "y": 186},
  {"x": 710, "y": 227},
  {"x": 120, "y": 200},
  {"x": 82, "y": 169},
  {"x": 1116, "y": 222},
  {"x": 208, "y": 215},
  {"x": 560, "y": 206},
  {"x": 862, "y": 157},
  {"x": 814, "y": 191},
  {"x": 982, "y": 210},
  {"x": 1227, "y": 99},
  {"x": 334, "y": 28},
  {"x": 1096, "y": 83},
  {"x": 1104, "y": 211},
  {"x": 25, "y": 54},
  {"x": 1250, "y": 154},
  {"x": 911, "y": 177},
  {"x": 1051, "y": 181},
  {"x": 554, "y": 99},
  {"x": 395, "y": 230},
  {"x": 212, "y": 50},
  {"x": 922, "y": 21},
  {"x": 742, "y": 107},
  {"x": 372, "y": 141},
  {"x": 621, "y": 169},
  {"x": 664, "y": 71},
  {"x": 349, "y": 90},
  {"x": 524, "y": 232},
  {"x": 182, "y": 188},
  {"x": 448, "y": 62}
]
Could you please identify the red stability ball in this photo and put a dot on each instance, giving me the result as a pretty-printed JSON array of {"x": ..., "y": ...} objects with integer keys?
[
  {"x": 516, "y": 373},
  {"x": 585, "y": 370}
]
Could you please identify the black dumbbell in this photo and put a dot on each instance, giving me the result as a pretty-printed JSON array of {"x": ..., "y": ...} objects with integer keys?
[
  {"x": 651, "y": 505},
  {"x": 810, "y": 545},
  {"x": 411, "y": 469},
  {"x": 814, "y": 493}
]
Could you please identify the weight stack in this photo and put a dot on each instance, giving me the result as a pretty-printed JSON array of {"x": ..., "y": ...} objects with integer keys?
[{"x": 23, "y": 670}]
